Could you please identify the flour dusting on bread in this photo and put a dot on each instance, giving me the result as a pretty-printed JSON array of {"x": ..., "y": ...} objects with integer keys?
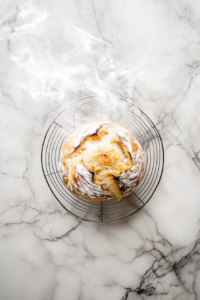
[
  {"x": 86, "y": 130},
  {"x": 102, "y": 161},
  {"x": 86, "y": 185}
]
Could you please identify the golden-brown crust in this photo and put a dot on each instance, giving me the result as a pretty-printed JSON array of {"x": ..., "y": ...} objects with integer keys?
[{"x": 94, "y": 156}]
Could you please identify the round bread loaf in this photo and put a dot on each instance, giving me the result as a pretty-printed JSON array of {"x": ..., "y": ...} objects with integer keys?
[{"x": 102, "y": 161}]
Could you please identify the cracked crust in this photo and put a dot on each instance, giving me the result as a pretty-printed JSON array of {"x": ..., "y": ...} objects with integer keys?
[{"x": 102, "y": 161}]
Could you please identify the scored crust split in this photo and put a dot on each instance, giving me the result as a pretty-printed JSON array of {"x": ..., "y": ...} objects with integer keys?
[{"x": 102, "y": 161}]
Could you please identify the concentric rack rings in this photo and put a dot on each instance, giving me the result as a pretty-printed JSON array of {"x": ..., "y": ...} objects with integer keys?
[{"x": 95, "y": 108}]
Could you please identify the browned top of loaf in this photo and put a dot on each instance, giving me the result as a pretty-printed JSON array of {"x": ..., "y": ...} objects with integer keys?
[{"x": 104, "y": 154}]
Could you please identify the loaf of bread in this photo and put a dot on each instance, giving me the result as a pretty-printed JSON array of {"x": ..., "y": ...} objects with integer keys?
[{"x": 102, "y": 161}]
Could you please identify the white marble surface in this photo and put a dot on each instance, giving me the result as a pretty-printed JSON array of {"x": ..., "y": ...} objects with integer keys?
[{"x": 52, "y": 53}]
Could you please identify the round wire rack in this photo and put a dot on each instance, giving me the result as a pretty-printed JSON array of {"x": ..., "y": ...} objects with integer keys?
[{"x": 107, "y": 108}]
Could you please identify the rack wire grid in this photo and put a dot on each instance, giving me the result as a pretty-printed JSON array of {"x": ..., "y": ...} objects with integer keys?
[{"x": 106, "y": 108}]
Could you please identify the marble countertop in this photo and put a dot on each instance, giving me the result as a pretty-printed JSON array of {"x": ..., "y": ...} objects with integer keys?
[{"x": 55, "y": 52}]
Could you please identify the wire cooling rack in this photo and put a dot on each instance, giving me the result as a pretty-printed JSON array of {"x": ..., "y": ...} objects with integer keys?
[{"x": 103, "y": 109}]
